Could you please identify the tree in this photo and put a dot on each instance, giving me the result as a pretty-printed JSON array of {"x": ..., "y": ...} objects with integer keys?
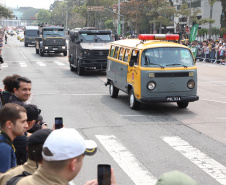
[
  {"x": 43, "y": 16},
  {"x": 162, "y": 13},
  {"x": 223, "y": 2},
  {"x": 4, "y": 12},
  {"x": 109, "y": 24}
]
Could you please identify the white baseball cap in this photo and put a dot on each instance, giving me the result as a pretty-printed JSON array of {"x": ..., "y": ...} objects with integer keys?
[{"x": 66, "y": 143}]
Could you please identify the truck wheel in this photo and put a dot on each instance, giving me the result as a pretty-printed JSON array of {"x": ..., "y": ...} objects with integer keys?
[
  {"x": 182, "y": 104},
  {"x": 26, "y": 45},
  {"x": 70, "y": 62},
  {"x": 113, "y": 90},
  {"x": 37, "y": 51},
  {"x": 80, "y": 70},
  {"x": 41, "y": 53},
  {"x": 65, "y": 53},
  {"x": 133, "y": 103}
]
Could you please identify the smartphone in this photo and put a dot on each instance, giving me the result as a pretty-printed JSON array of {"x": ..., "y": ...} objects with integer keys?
[
  {"x": 104, "y": 174},
  {"x": 58, "y": 122}
]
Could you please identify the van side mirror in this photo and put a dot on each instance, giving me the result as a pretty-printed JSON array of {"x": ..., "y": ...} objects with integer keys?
[
  {"x": 131, "y": 63},
  {"x": 78, "y": 42}
]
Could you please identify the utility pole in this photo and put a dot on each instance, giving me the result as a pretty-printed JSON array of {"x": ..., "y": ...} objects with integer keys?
[
  {"x": 119, "y": 27},
  {"x": 211, "y": 2}
]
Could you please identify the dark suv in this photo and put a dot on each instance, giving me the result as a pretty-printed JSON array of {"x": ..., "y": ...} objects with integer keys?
[{"x": 88, "y": 49}]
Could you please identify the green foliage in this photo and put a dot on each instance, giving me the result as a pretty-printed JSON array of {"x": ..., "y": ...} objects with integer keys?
[
  {"x": 109, "y": 24},
  {"x": 43, "y": 16},
  {"x": 202, "y": 31},
  {"x": 4, "y": 12},
  {"x": 215, "y": 31}
]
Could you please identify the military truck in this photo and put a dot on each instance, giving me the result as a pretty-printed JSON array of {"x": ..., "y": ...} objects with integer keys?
[
  {"x": 88, "y": 49},
  {"x": 51, "y": 39},
  {"x": 30, "y": 33}
]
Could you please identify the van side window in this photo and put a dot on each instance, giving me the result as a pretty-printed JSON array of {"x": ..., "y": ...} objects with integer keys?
[
  {"x": 135, "y": 56},
  {"x": 112, "y": 51},
  {"x": 121, "y": 53},
  {"x": 126, "y": 55},
  {"x": 116, "y": 52}
]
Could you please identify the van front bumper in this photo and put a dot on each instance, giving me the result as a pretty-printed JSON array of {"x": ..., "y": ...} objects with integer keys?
[
  {"x": 56, "y": 49},
  {"x": 99, "y": 65},
  {"x": 169, "y": 99}
]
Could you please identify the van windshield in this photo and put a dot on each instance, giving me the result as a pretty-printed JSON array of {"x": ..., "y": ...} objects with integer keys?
[
  {"x": 167, "y": 57},
  {"x": 31, "y": 32},
  {"x": 94, "y": 37}
]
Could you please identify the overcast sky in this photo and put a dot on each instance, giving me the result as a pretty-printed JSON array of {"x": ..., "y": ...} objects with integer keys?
[{"x": 32, "y": 3}]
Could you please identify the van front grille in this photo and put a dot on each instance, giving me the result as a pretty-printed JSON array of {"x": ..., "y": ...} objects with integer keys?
[{"x": 165, "y": 75}]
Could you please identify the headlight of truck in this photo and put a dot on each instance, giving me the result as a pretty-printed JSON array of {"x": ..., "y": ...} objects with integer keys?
[
  {"x": 63, "y": 47},
  {"x": 151, "y": 85},
  {"x": 191, "y": 84},
  {"x": 46, "y": 47}
]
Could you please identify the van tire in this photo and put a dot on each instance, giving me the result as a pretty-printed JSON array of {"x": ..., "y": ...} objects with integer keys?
[
  {"x": 133, "y": 103},
  {"x": 113, "y": 90},
  {"x": 65, "y": 53},
  {"x": 182, "y": 104},
  {"x": 80, "y": 70}
]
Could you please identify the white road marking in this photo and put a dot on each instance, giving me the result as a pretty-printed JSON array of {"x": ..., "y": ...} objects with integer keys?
[
  {"x": 213, "y": 101},
  {"x": 4, "y": 65},
  {"x": 59, "y": 63},
  {"x": 220, "y": 118},
  {"x": 23, "y": 55},
  {"x": 41, "y": 63},
  {"x": 138, "y": 173},
  {"x": 207, "y": 164},
  {"x": 23, "y": 64}
]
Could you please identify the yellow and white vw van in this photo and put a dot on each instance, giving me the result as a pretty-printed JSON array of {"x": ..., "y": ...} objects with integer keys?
[{"x": 152, "y": 69}]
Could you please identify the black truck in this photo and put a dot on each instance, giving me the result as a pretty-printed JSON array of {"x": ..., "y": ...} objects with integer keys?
[
  {"x": 30, "y": 33},
  {"x": 51, "y": 39},
  {"x": 88, "y": 49}
]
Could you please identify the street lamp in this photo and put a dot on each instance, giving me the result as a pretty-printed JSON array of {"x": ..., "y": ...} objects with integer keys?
[{"x": 122, "y": 19}]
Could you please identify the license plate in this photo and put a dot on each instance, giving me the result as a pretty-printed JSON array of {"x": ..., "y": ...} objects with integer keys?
[
  {"x": 173, "y": 98},
  {"x": 55, "y": 48}
]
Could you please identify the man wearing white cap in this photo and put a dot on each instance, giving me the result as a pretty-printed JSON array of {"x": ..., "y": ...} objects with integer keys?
[{"x": 63, "y": 153}]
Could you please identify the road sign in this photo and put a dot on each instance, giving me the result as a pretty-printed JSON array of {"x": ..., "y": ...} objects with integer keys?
[{"x": 95, "y": 8}]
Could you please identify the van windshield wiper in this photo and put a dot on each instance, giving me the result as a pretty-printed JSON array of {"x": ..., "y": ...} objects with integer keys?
[
  {"x": 176, "y": 65},
  {"x": 155, "y": 64}
]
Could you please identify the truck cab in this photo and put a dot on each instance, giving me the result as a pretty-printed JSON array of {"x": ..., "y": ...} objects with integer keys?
[
  {"x": 88, "y": 49},
  {"x": 51, "y": 39}
]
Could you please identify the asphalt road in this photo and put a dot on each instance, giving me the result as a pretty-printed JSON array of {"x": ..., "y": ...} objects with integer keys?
[{"x": 139, "y": 145}]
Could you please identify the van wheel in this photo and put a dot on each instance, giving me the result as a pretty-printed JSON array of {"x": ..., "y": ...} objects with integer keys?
[
  {"x": 37, "y": 51},
  {"x": 182, "y": 104},
  {"x": 26, "y": 45},
  {"x": 113, "y": 90},
  {"x": 65, "y": 53},
  {"x": 133, "y": 103},
  {"x": 80, "y": 70}
]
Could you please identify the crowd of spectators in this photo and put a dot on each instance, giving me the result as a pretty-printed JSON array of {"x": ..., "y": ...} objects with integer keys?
[{"x": 209, "y": 50}]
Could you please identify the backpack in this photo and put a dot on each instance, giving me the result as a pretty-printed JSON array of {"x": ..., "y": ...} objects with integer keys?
[{"x": 14, "y": 180}]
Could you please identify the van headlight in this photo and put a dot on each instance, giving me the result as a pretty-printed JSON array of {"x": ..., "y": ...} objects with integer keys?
[
  {"x": 151, "y": 85},
  {"x": 63, "y": 47},
  {"x": 46, "y": 47},
  {"x": 191, "y": 84}
]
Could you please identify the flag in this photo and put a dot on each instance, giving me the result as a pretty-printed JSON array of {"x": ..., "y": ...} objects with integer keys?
[{"x": 193, "y": 33}]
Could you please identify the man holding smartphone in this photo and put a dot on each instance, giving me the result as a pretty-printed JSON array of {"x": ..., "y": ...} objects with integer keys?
[{"x": 63, "y": 154}]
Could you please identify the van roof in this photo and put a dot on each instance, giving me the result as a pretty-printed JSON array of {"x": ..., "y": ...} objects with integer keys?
[
  {"x": 31, "y": 27},
  {"x": 136, "y": 43}
]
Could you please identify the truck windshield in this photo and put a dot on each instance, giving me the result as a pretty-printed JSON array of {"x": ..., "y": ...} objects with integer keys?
[
  {"x": 53, "y": 32},
  {"x": 31, "y": 32},
  {"x": 167, "y": 57},
  {"x": 99, "y": 37}
]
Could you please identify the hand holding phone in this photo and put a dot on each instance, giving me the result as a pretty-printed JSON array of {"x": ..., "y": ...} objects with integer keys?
[
  {"x": 58, "y": 122},
  {"x": 104, "y": 174}
]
